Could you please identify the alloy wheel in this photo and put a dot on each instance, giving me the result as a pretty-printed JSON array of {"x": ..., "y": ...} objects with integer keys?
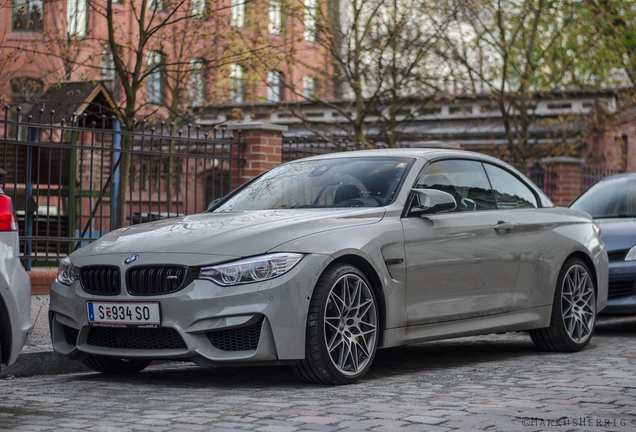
[
  {"x": 578, "y": 304},
  {"x": 351, "y": 322}
]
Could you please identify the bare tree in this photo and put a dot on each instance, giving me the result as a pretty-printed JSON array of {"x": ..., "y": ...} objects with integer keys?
[
  {"x": 372, "y": 53},
  {"x": 510, "y": 50}
]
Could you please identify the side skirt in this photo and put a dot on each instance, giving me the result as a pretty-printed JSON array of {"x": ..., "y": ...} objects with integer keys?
[{"x": 511, "y": 321}]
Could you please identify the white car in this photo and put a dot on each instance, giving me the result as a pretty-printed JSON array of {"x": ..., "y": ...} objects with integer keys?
[{"x": 15, "y": 286}]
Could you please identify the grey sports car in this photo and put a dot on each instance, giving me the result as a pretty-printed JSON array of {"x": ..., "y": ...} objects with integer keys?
[{"x": 319, "y": 262}]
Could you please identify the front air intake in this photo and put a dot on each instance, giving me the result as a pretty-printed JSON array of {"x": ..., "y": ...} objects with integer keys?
[
  {"x": 136, "y": 338},
  {"x": 236, "y": 339}
]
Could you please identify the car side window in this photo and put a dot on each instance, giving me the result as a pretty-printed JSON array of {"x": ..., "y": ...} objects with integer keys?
[
  {"x": 510, "y": 192},
  {"x": 464, "y": 179}
]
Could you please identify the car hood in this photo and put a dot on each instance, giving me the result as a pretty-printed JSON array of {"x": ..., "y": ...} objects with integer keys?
[
  {"x": 235, "y": 234},
  {"x": 618, "y": 233}
]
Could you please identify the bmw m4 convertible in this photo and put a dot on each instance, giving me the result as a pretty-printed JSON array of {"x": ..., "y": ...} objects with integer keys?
[{"x": 320, "y": 262}]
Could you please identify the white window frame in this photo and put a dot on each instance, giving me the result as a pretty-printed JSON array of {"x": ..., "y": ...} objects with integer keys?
[
  {"x": 108, "y": 67},
  {"x": 309, "y": 33},
  {"x": 275, "y": 17},
  {"x": 156, "y": 5},
  {"x": 197, "y": 82},
  {"x": 77, "y": 18},
  {"x": 274, "y": 86},
  {"x": 198, "y": 8},
  {"x": 237, "y": 13},
  {"x": 23, "y": 8},
  {"x": 309, "y": 86},
  {"x": 237, "y": 92},
  {"x": 154, "y": 80}
]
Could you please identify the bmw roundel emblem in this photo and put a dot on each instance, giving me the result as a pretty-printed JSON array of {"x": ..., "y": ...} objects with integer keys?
[{"x": 131, "y": 259}]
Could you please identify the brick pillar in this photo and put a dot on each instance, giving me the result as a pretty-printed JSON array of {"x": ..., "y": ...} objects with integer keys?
[
  {"x": 567, "y": 181},
  {"x": 264, "y": 147}
]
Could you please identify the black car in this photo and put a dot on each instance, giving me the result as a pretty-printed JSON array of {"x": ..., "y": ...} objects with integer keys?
[{"x": 612, "y": 204}]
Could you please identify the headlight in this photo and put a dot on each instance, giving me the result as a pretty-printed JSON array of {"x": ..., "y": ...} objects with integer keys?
[
  {"x": 631, "y": 255},
  {"x": 250, "y": 270},
  {"x": 67, "y": 272}
]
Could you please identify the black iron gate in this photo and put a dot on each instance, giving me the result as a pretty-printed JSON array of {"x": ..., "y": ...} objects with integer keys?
[{"x": 66, "y": 179}]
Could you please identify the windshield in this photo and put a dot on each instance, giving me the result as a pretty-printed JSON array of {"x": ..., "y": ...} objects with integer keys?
[
  {"x": 343, "y": 182},
  {"x": 610, "y": 198}
]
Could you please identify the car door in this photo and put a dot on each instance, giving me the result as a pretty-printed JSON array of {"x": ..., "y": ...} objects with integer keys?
[
  {"x": 538, "y": 231},
  {"x": 463, "y": 263}
]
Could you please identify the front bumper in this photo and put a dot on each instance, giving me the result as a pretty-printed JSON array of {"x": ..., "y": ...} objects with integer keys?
[
  {"x": 622, "y": 288},
  {"x": 204, "y": 322}
]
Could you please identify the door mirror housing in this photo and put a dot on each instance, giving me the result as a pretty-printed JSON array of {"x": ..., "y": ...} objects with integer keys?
[{"x": 433, "y": 201}]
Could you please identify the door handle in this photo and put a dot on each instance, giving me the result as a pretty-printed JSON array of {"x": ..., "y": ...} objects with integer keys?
[{"x": 503, "y": 227}]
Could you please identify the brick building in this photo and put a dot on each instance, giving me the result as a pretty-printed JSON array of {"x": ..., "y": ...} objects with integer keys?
[{"x": 193, "y": 52}]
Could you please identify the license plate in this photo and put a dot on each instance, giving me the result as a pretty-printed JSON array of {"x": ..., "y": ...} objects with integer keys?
[{"x": 120, "y": 314}]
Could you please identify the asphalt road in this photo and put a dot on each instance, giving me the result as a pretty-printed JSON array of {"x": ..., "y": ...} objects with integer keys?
[{"x": 493, "y": 383}]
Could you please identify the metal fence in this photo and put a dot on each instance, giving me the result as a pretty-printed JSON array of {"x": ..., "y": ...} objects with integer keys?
[
  {"x": 74, "y": 181},
  {"x": 541, "y": 174},
  {"x": 589, "y": 176},
  {"x": 298, "y": 148}
]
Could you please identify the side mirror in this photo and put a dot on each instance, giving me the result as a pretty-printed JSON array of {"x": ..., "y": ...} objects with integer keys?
[{"x": 433, "y": 201}]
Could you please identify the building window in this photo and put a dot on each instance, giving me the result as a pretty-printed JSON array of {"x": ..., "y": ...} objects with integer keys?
[
  {"x": 156, "y": 5},
  {"x": 275, "y": 17},
  {"x": 275, "y": 86},
  {"x": 108, "y": 68},
  {"x": 77, "y": 18},
  {"x": 238, "y": 13},
  {"x": 237, "y": 89},
  {"x": 25, "y": 90},
  {"x": 310, "y": 20},
  {"x": 154, "y": 80},
  {"x": 197, "y": 82},
  {"x": 309, "y": 86},
  {"x": 198, "y": 8},
  {"x": 28, "y": 15}
]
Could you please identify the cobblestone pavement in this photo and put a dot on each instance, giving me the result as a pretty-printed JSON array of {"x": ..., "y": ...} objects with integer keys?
[{"x": 494, "y": 383}]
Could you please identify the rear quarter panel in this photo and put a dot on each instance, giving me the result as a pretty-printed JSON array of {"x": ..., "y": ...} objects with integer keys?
[{"x": 549, "y": 236}]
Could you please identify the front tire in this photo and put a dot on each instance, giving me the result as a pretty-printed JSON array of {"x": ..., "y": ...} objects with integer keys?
[
  {"x": 115, "y": 366},
  {"x": 573, "y": 311},
  {"x": 342, "y": 328}
]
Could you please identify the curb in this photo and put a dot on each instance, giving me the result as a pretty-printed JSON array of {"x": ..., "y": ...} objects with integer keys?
[{"x": 42, "y": 363}]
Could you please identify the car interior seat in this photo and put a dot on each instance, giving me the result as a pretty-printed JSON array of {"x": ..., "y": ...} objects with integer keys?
[{"x": 346, "y": 192}]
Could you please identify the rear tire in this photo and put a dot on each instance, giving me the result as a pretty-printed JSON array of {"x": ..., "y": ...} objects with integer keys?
[
  {"x": 115, "y": 366},
  {"x": 573, "y": 311},
  {"x": 342, "y": 328}
]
